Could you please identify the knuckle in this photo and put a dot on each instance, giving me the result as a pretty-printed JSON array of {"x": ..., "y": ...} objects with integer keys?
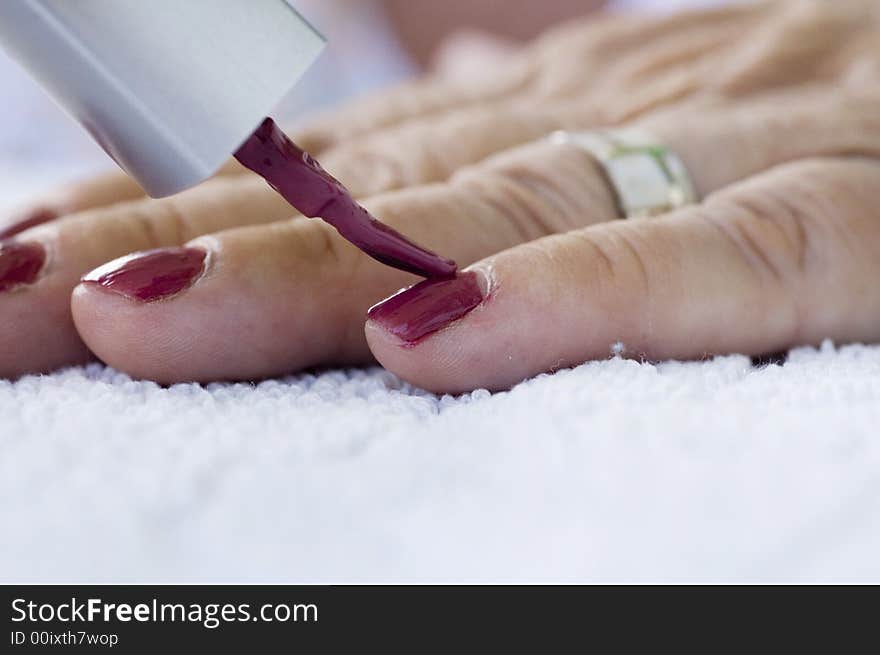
[
  {"x": 810, "y": 229},
  {"x": 169, "y": 221},
  {"x": 540, "y": 188},
  {"x": 173, "y": 221},
  {"x": 508, "y": 207},
  {"x": 614, "y": 264},
  {"x": 145, "y": 224},
  {"x": 770, "y": 230},
  {"x": 798, "y": 218},
  {"x": 367, "y": 167},
  {"x": 321, "y": 244}
]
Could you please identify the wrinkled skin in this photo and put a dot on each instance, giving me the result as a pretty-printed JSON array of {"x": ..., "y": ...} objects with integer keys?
[{"x": 774, "y": 108}]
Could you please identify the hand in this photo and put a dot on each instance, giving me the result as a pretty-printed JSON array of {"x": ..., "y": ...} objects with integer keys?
[{"x": 773, "y": 109}]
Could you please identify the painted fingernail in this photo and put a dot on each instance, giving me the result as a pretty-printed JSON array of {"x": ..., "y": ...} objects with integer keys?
[
  {"x": 429, "y": 306},
  {"x": 32, "y": 218},
  {"x": 150, "y": 275},
  {"x": 20, "y": 263}
]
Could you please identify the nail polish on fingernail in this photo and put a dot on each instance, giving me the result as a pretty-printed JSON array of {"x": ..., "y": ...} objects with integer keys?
[
  {"x": 31, "y": 219},
  {"x": 20, "y": 263},
  {"x": 428, "y": 306},
  {"x": 150, "y": 275}
]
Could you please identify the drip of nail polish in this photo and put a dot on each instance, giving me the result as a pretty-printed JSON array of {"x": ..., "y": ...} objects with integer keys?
[
  {"x": 20, "y": 263},
  {"x": 428, "y": 306},
  {"x": 310, "y": 189},
  {"x": 35, "y": 217},
  {"x": 150, "y": 275}
]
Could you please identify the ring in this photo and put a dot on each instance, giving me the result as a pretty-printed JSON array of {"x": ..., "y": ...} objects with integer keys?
[{"x": 647, "y": 178}]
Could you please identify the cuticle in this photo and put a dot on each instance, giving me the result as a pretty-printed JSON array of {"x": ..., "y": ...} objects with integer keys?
[
  {"x": 487, "y": 273},
  {"x": 49, "y": 256},
  {"x": 207, "y": 266}
]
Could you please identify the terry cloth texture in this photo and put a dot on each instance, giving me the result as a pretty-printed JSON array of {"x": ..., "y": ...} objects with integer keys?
[{"x": 614, "y": 471}]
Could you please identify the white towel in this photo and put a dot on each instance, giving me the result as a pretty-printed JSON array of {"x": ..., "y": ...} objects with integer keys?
[{"x": 613, "y": 471}]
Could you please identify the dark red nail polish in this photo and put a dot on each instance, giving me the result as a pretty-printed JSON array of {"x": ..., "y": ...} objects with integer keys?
[
  {"x": 313, "y": 191},
  {"x": 428, "y": 306},
  {"x": 30, "y": 219},
  {"x": 20, "y": 263},
  {"x": 150, "y": 275}
]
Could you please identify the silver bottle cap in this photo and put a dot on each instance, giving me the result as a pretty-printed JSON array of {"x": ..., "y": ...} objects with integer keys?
[{"x": 169, "y": 88}]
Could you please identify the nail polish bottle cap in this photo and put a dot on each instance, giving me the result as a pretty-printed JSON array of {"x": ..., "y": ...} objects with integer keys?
[{"x": 168, "y": 88}]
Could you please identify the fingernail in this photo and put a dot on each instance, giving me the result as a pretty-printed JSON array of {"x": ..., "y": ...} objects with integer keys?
[
  {"x": 20, "y": 263},
  {"x": 429, "y": 305},
  {"x": 32, "y": 218},
  {"x": 150, "y": 275}
]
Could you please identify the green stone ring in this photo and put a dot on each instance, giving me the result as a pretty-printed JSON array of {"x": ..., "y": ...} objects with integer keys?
[{"x": 647, "y": 177}]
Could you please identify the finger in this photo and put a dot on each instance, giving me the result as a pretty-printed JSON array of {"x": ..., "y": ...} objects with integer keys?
[
  {"x": 783, "y": 259},
  {"x": 425, "y": 97},
  {"x": 800, "y": 42},
  {"x": 633, "y": 67},
  {"x": 105, "y": 189},
  {"x": 721, "y": 143},
  {"x": 278, "y": 298},
  {"x": 752, "y": 134},
  {"x": 431, "y": 148},
  {"x": 656, "y": 63},
  {"x": 512, "y": 197},
  {"x": 430, "y": 151},
  {"x": 594, "y": 58},
  {"x": 40, "y": 267},
  {"x": 102, "y": 190}
]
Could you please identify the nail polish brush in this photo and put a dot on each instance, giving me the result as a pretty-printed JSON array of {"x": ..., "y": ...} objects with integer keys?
[{"x": 171, "y": 89}]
